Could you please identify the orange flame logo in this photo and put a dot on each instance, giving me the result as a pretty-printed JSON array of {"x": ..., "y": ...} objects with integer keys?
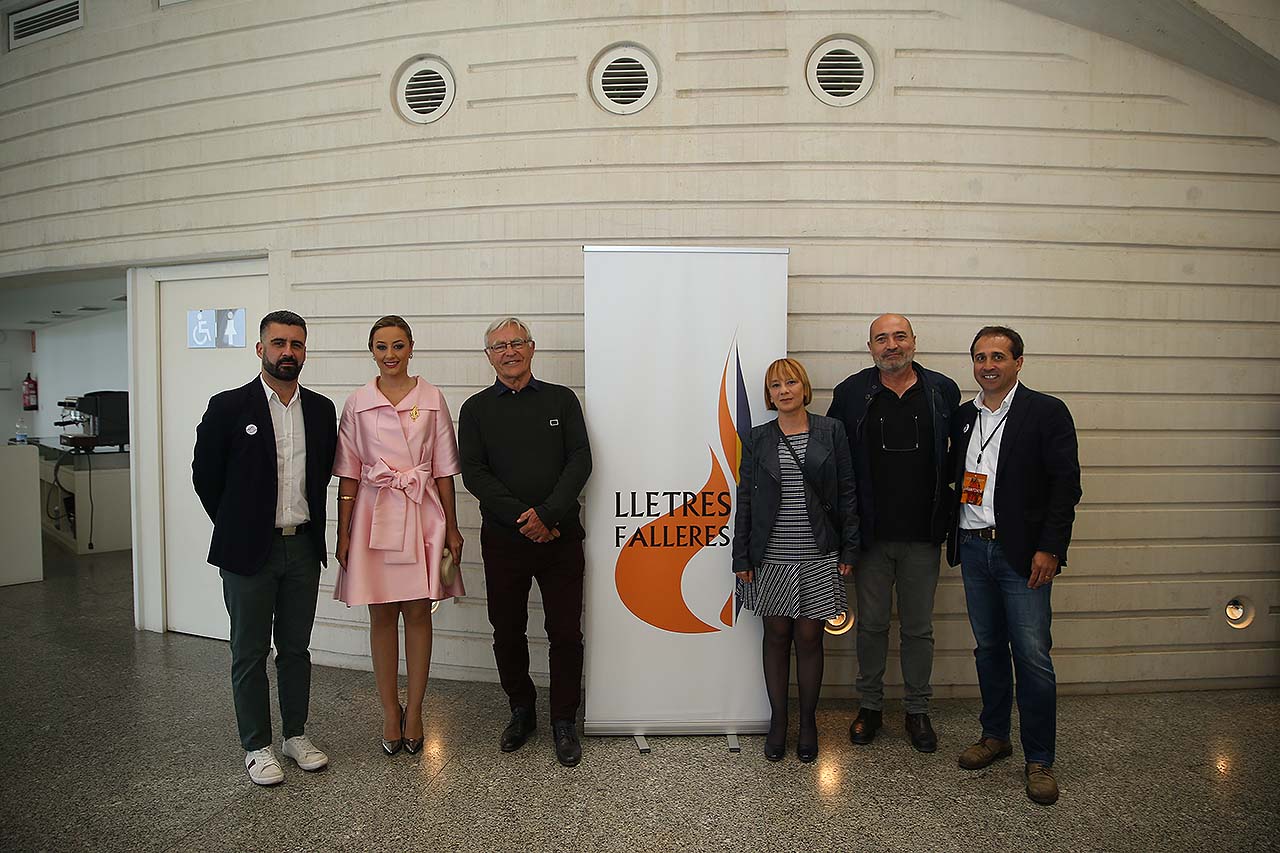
[{"x": 650, "y": 570}]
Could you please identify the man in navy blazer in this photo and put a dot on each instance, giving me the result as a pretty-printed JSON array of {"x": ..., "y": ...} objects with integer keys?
[
  {"x": 263, "y": 459},
  {"x": 1017, "y": 475}
]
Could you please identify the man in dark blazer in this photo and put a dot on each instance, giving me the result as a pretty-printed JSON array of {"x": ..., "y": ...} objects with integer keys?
[
  {"x": 263, "y": 458},
  {"x": 1017, "y": 475},
  {"x": 897, "y": 415}
]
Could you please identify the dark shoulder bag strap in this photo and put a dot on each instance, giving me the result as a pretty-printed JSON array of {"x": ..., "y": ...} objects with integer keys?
[{"x": 825, "y": 506}]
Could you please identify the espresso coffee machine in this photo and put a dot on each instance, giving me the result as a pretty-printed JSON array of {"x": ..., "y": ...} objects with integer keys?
[{"x": 102, "y": 416}]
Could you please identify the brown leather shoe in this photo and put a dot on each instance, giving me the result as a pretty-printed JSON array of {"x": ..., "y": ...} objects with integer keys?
[
  {"x": 984, "y": 752},
  {"x": 1042, "y": 788}
]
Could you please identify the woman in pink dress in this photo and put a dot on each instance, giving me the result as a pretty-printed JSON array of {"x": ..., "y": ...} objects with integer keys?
[{"x": 396, "y": 458}]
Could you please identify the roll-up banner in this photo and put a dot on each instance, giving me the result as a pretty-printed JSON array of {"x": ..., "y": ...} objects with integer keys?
[{"x": 677, "y": 340}]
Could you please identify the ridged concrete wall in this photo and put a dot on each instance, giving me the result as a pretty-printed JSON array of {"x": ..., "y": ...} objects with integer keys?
[{"x": 1120, "y": 210}]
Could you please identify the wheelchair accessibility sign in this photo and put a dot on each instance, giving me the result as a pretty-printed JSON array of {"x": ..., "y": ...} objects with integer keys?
[{"x": 215, "y": 328}]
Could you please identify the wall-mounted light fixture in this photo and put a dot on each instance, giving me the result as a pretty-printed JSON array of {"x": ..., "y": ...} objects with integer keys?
[
  {"x": 1239, "y": 612},
  {"x": 841, "y": 624}
]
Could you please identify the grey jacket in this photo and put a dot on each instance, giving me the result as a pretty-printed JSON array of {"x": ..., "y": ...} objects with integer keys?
[{"x": 827, "y": 464}]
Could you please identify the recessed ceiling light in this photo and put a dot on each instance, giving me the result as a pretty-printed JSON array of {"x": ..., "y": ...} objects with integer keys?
[
  {"x": 91, "y": 308},
  {"x": 37, "y": 322}
]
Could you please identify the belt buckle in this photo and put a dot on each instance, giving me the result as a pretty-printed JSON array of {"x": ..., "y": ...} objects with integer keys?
[{"x": 291, "y": 530}]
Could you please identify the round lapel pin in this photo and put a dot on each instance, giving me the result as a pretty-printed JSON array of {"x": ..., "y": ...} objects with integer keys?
[{"x": 251, "y": 429}]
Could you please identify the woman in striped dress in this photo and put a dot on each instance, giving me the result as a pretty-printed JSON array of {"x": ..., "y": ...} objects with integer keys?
[{"x": 795, "y": 536}]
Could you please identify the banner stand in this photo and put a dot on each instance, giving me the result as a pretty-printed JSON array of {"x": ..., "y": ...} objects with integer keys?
[{"x": 676, "y": 340}]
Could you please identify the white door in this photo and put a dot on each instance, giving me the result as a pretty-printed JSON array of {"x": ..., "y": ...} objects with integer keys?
[{"x": 188, "y": 378}]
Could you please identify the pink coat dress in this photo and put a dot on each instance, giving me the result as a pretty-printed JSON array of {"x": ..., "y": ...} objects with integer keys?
[{"x": 397, "y": 524}]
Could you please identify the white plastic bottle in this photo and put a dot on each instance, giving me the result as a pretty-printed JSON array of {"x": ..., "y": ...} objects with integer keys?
[{"x": 20, "y": 431}]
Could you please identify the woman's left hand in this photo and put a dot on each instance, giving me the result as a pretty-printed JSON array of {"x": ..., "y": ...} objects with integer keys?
[
  {"x": 845, "y": 569},
  {"x": 453, "y": 541}
]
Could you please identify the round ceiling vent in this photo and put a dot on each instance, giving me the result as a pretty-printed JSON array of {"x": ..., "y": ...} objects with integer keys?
[
  {"x": 840, "y": 72},
  {"x": 424, "y": 90},
  {"x": 624, "y": 79}
]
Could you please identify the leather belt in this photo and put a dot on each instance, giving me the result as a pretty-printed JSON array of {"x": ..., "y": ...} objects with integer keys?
[
  {"x": 987, "y": 534},
  {"x": 293, "y": 530}
]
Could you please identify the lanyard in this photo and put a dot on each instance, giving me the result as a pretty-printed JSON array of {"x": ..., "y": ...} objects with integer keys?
[{"x": 983, "y": 446}]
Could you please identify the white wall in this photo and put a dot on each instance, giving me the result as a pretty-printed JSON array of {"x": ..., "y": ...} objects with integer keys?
[
  {"x": 1120, "y": 210},
  {"x": 16, "y": 350},
  {"x": 72, "y": 358}
]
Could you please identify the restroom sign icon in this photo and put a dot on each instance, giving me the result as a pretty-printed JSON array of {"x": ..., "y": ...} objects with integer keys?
[{"x": 216, "y": 328}]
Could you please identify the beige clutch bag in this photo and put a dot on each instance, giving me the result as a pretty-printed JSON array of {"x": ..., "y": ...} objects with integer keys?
[{"x": 448, "y": 568}]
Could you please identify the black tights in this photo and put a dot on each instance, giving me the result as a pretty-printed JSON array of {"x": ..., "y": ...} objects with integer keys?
[{"x": 779, "y": 631}]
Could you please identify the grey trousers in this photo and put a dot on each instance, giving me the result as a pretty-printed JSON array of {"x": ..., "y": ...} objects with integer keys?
[
  {"x": 279, "y": 601},
  {"x": 913, "y": 568}
]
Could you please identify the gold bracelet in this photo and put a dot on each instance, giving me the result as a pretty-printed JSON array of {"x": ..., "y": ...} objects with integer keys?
[{"x": 346, "y": 497}]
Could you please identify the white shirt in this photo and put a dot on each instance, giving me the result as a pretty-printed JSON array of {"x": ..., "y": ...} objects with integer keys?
[
  {"x": 988, "y": 425},
  {"x": 291, "y": 458}
]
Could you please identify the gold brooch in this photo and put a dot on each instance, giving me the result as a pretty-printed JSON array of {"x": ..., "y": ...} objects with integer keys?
[{"x": 413, "y": 413}]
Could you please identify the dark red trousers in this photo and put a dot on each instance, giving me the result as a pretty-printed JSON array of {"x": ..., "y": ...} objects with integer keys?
[{"x": 510, "y": 567}]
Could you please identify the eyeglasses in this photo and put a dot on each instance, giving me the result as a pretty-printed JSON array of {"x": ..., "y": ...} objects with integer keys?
[
  {"x": 915, "y": 419},
  {"x": 503, "y": 346}
]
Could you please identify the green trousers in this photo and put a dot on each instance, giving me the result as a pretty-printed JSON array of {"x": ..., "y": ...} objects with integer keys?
[{"x": 279, "y": 601}]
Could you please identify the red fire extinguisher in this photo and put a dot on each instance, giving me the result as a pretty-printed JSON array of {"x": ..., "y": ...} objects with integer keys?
[{"x": 30, "y": 396}]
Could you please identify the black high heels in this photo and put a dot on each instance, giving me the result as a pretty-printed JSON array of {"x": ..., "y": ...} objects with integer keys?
[
  {"x": 412, "y": 745},
  {"x": 807, "y": 752},
  {"x": 391, "y": 747},
  {"x": 775, "y": 751}
]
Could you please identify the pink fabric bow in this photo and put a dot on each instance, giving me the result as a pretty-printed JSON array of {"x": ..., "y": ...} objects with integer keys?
[{"x": 392, "y": 529}]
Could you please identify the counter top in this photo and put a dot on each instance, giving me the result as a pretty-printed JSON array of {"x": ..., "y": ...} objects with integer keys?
[
  {"x": 103, "y": 458},
  {"x": 54, "y": 443}
]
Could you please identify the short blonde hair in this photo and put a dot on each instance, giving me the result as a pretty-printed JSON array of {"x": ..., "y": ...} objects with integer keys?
[{"x": 786, "y": 368}]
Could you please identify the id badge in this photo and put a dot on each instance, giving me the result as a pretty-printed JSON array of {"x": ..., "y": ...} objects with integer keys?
[{"x": 973, "y": 486}]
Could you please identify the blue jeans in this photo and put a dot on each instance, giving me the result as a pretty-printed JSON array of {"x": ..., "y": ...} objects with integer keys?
[{"x": 1005, "y": 614}]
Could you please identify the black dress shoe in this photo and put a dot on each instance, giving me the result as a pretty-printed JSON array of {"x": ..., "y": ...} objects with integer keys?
[
  {"x": 864, "y": 728},
  {"x": 808, "y": 752},
  {"x": 523, "y": 722},
  {"x": 568, "y": 749},
  {"x": 774, "y": 752},
  {"x": 923, "y": 737}
]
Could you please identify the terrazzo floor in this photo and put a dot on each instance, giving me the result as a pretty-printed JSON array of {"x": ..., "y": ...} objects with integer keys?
[{"x": 123, "y": 740}]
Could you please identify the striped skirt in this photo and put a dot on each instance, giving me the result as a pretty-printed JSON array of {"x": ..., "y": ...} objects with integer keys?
[{"x": 812, "y": 589}]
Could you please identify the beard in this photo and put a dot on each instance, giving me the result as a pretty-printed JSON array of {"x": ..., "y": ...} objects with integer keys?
[
  {"x": 893, "y": 366},
  {"x": 286, "y": 369}
]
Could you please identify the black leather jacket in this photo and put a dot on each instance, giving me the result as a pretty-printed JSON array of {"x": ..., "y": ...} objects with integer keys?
[
  {"x": 850, "y": 403},
  {"x": 827, "y": 464}
]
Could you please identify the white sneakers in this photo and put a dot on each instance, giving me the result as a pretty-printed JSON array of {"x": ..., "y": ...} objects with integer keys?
[
  {"x": 264, "y": 768},
  {"x": 304, "y": 752}
]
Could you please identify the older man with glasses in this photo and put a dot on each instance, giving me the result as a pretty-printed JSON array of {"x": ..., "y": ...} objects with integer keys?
[
  {"x": 897, "y": 415},
  {"x": 525, "y": 457}
]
